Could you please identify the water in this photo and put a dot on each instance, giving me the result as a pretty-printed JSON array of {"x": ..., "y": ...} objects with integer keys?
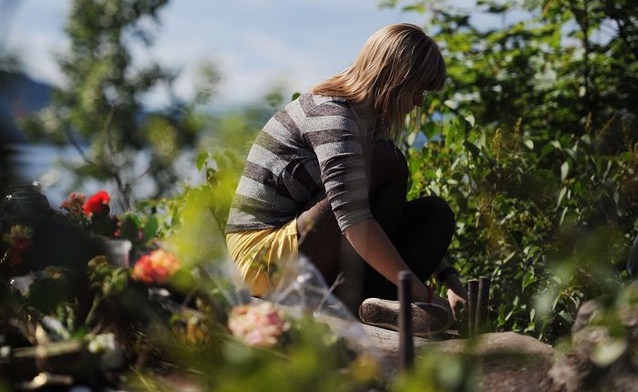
[
  {"x": 53, "y": 168},
  {"x": 42, "y": 163}
]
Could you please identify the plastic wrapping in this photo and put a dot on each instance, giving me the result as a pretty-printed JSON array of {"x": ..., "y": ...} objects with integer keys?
[{"x": 303, "y": 290}]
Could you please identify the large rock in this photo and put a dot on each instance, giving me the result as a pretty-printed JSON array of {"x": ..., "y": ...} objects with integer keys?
[
  {"x": 604, "y": 347},
  {"x": 603, "y": 354},
  {"x": 506, "y": 361}
]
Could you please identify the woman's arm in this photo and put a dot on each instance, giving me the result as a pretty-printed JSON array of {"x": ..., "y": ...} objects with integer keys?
[{"x": 373, "y": 245}]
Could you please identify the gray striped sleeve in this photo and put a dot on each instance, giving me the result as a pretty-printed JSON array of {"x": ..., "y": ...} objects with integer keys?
[{"x": 336, "y": 141}]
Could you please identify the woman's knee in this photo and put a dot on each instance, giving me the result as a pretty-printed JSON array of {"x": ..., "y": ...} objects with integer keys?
[
  {"x": 443, "y": 209},
  {"x": 432, "y": 209}
]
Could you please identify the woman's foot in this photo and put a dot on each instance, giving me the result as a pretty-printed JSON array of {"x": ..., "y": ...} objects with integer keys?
[{"x": 428, "y": 319}]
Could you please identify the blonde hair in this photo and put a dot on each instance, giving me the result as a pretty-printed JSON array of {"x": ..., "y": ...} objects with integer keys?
[{"x": 396, "y": 62}]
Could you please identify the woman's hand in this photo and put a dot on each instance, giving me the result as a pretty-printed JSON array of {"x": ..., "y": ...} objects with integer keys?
[
  {"x": 456, "y": 302},
  {"x": 456, "y": 292}
]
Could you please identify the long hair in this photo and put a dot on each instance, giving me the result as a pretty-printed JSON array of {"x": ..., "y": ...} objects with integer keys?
[{"x": 395, "y": 63}]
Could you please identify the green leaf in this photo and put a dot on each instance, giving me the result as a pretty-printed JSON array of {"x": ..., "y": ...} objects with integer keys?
[
  {"x": 528, "y": 279},
  {"x": 201, "y": 160},
  {"x": 564, "y": 170},
  {"x": 561, "y": 195},
  {"x": 607, "y": 352},
  {"x": 470, "y": 120},
  {"x": 151, "y": 227}
]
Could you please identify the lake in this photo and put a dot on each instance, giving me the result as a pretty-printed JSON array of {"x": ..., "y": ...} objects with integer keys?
[{"x": 43, "y": 164}]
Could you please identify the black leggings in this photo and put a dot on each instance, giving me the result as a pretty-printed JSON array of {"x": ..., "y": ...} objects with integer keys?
[{"x": 420, "y": 229}]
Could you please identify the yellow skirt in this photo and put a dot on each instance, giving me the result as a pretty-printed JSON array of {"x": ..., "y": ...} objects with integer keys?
[{"x": 259, "y": 253}]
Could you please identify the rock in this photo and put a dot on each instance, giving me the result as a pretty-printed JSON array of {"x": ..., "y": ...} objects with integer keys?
[
  {"x": 603, "y": 354},
  {"x": 506, "y": 361},
  {"x": 604, "y": 347}
]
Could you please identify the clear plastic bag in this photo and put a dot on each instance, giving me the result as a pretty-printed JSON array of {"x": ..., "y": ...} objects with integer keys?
[{"x": 302, "y": 290}]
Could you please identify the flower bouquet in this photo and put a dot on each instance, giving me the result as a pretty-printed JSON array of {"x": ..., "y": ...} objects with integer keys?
[{"x": 175, "y": 313}]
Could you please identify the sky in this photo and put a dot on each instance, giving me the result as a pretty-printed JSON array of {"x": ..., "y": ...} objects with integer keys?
[{"x": 256, "y": 45}]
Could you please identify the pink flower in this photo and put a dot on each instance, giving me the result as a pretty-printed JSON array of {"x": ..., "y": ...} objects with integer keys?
[
  {"x": 73, "y": 207},
  {"x": 155, "y": 267},
  {"x": 97, "y": 205},
  {"x": 257, "y": 324},
  {"x": 73, "y": 204}
]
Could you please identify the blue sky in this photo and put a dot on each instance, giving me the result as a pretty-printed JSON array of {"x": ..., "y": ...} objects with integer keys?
[{"x": 255, "y": 44}]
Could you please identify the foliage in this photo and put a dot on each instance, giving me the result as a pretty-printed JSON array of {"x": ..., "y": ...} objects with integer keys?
[
  {"x": 557, "y": 66},
  {"x": 177, "y": 316},
  {"x": 437, "y": 371},
  {"x": 540, "y": 219},
  {"x": 533, "y": 143},
  {"x": 101, "y": 101}
]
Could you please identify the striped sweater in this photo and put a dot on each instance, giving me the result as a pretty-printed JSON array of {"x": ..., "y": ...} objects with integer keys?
[{"x": 314, "y": 144}]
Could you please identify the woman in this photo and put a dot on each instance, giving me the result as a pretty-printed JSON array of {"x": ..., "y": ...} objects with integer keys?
[{"x": 324, "y": 176}]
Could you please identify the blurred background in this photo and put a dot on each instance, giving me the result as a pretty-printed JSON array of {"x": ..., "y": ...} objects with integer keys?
[
  {"x": 533, "y": 142},
  {"x": 245, "y": 51},
  {"x": 255, "y": 45}
]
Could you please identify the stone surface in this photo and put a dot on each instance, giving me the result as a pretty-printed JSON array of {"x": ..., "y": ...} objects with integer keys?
[
  {"x": 507, "y": 361},
  {"x": 604, "y": 347},
  {"x": 603, "y": 354}
]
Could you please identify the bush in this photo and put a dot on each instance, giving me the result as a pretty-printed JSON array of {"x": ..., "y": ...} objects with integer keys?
[{"x": 550, "y": 220}]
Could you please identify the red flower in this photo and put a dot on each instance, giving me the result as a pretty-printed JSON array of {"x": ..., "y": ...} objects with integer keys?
[
  {"x": 98, "y": 204},
  {"x": 155, "y": 267}
]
